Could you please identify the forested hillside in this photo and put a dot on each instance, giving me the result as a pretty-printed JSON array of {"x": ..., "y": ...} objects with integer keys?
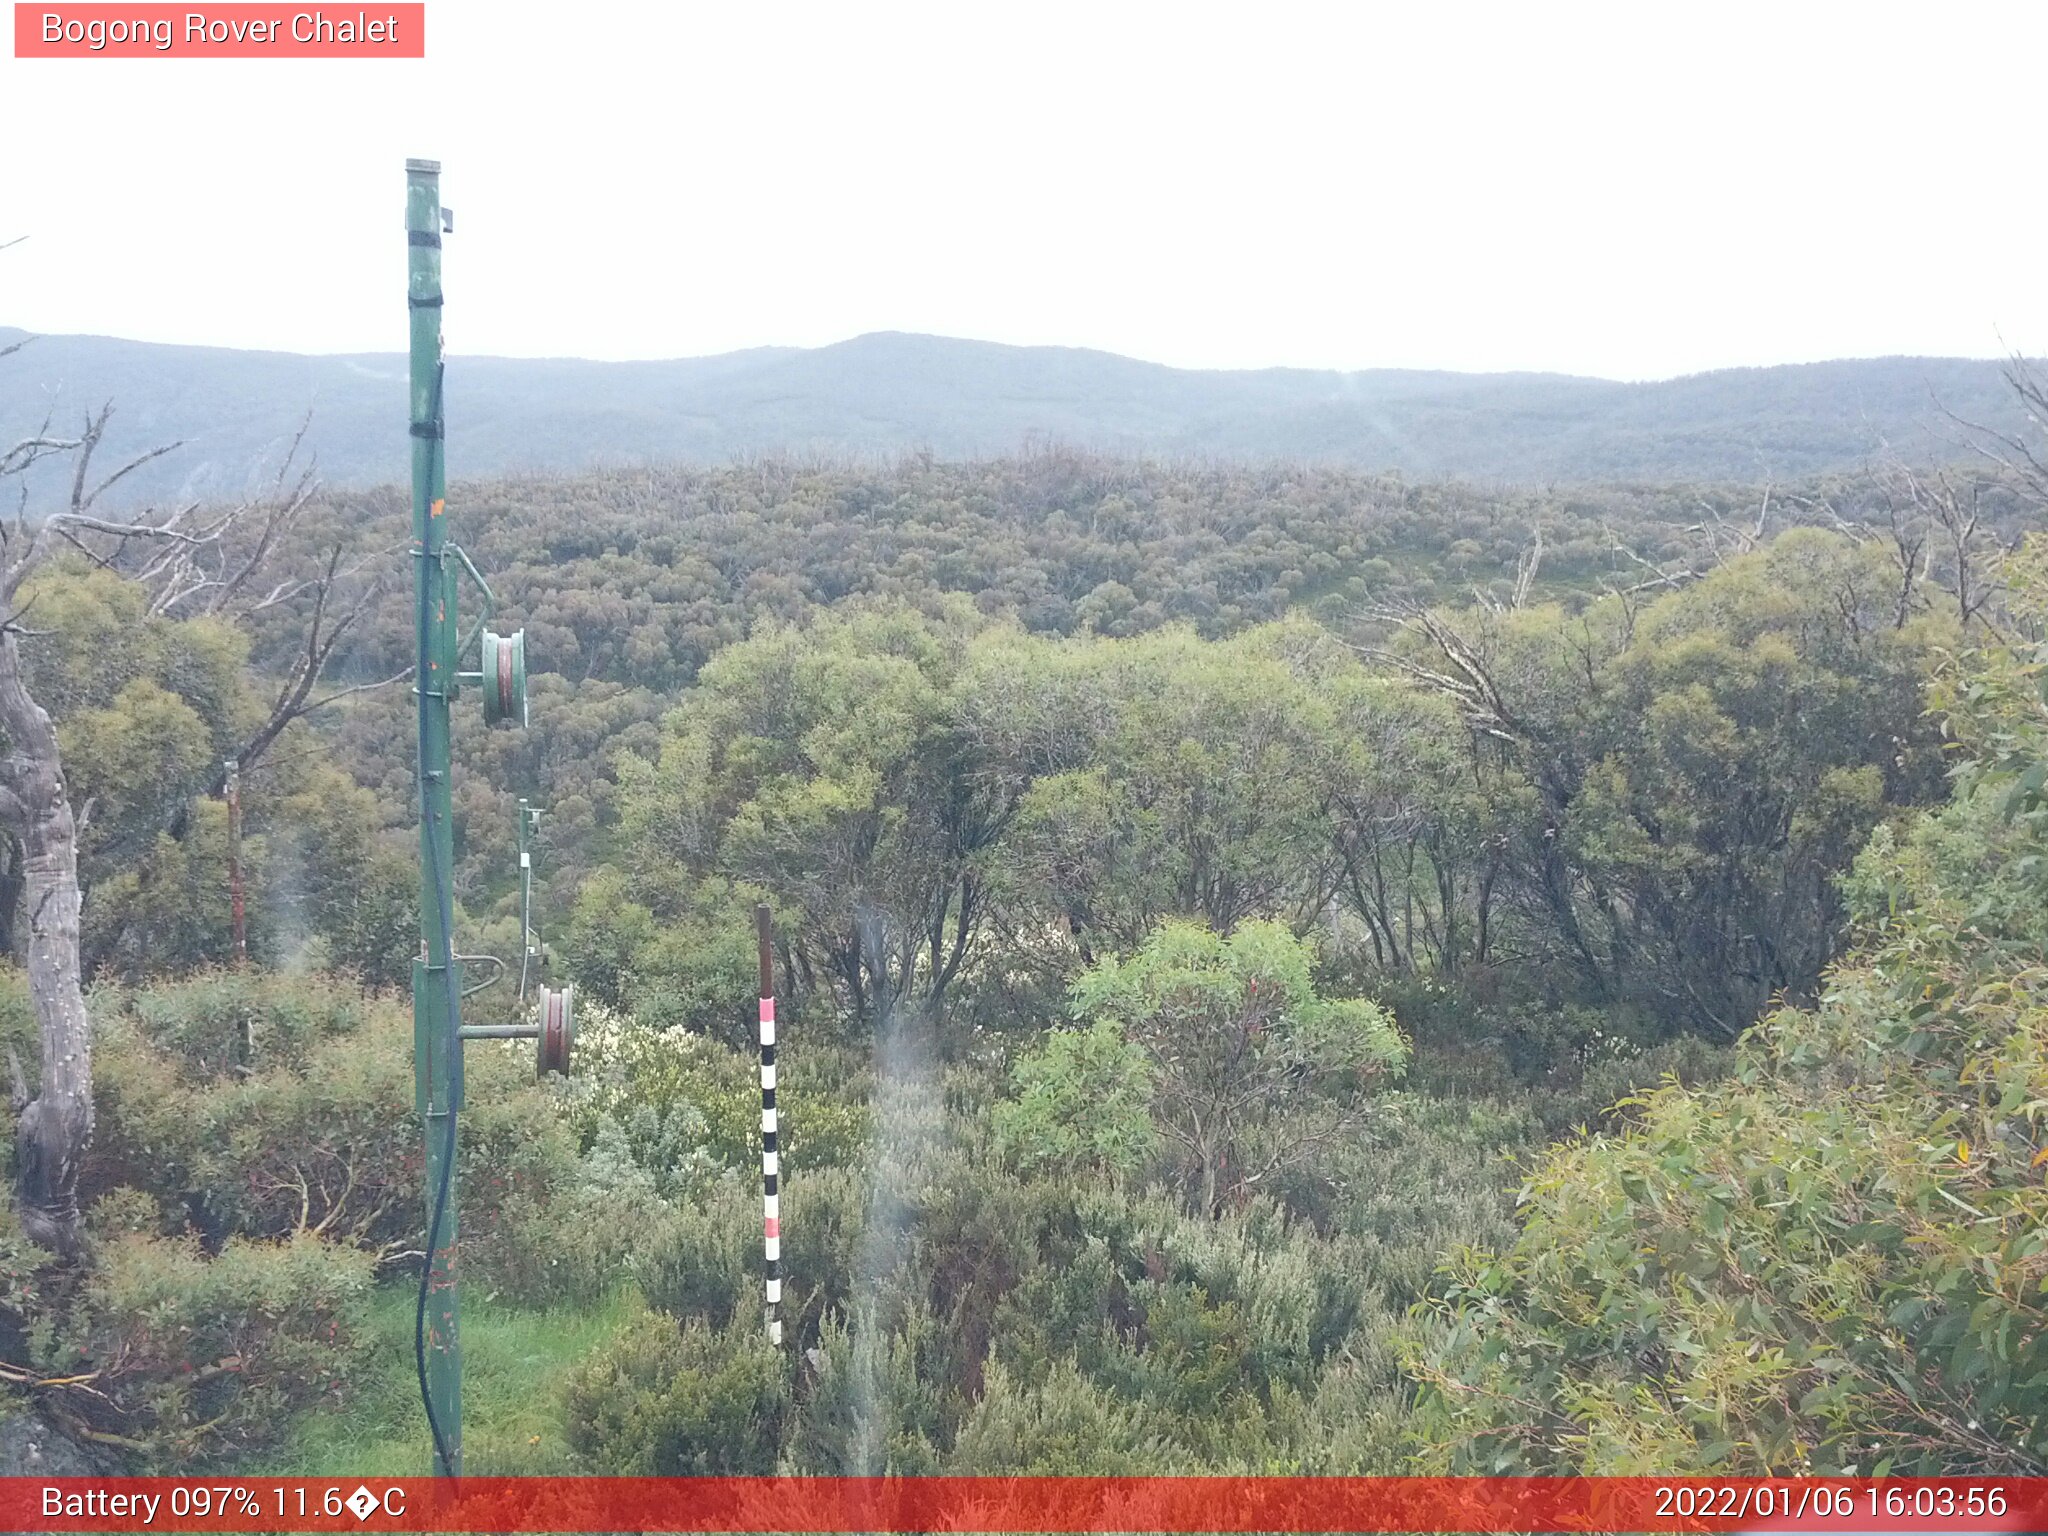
[
  {"x": 1273, "y": 959},
  {"x": 882, "y": 395}
]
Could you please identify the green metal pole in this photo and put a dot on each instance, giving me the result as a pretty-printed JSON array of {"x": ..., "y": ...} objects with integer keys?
[{"x": 437, "y": 1050}]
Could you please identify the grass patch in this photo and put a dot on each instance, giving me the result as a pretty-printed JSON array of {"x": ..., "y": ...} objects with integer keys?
[{"x": 513, "y": 1359}]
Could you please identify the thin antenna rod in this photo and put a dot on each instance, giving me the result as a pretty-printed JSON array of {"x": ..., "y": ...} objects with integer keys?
[
  {"x": 771, "y": 1217},
  {"x": 529, "y": 940},
  {"x": 237, "y": 904}
]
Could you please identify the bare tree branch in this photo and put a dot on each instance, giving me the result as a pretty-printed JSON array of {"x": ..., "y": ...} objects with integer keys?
[{"x": 343, "y": 693}]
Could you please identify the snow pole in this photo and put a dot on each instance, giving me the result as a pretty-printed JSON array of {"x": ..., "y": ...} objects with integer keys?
[{"x": 771, "y": 1218}]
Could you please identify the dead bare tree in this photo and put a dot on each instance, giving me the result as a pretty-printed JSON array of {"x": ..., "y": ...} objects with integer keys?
[
  {"x": 227, "y": 575},
  {"x": 1457, "y": 667},
  {"x": 1527, "y": 564},
  {"x": 1721, "y": 538},
  {"x": 191, "y": 560},
  {"x": 1935, "y": 531},
  {"x": 1939, "y": 507},
  {"x": 2024, "y": 459},
  {"x": 1527, "y": 567},
  {"x": 1727, "y": 538},
  {"x": 1935, "y": 519},
  {"x": 54, "y": 1127}
]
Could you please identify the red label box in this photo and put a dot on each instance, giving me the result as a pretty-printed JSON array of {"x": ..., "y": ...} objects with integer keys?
[
  {"x": 233, "y": 31},
  {"x": 1214, "y": 1505}
]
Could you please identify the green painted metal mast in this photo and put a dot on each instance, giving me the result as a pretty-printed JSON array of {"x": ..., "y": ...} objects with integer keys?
[{"x": 437, "y": 1048}]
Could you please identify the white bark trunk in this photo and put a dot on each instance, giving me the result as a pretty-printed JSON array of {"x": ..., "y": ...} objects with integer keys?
[{"x": 56, "y": 1126}]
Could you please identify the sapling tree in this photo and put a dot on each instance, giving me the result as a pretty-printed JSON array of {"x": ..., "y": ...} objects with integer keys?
[
  {"x": 1251, "y": 1070},
  {"x": 1081, "y": 1104}
]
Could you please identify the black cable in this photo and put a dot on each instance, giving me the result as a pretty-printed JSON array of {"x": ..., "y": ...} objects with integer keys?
[{"x": 444, "y": 900}]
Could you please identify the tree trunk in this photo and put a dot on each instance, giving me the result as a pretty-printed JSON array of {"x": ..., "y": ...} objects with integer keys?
[
  {"x": 55, "y": 1127},
  {"x": 10, "y": 889}
]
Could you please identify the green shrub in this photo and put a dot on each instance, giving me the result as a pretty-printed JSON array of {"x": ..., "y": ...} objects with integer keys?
[
  {"x": 320, "y": 1137},
  {"x": 1600, "y": 1100},
  {"x": 1251, "y": 1069},
  {"x": 1081, "y": 1104},
  {"x": 33, "y": 1283},
  {"x": 569, "y": 1248},
  {"x": 872, "y": 1405},
  {"x": 1073, "y": 1304},
  {"x": 824, "y": 1218},
  {"x": 18, "y": 1031},
  {"x": 706, "y": 1263},
  {"x": 257, "y": 1105},
  {"x": 218, "y": 1023},
  {"x": 1357, "y": 1422},
  {"x": 1423, "y": 1174},
  {"x": 664, "y": 1401},
  {"x": 664, "y": 1090},
  {"x": 1246, "y": 1284},
  {"x": 656, "y": 1152},
  {"x": 1827, "y": 1262},
  {"x": 204, "y": 1360},
  {"x": 124, "y": 1212},
  {"x": 689, "y": 966},
  {"x": 1198, "y": 1358},
  {"x": 516, "y": 1156},
  {"x": 1063, "y": 1426},
  {"x": 330, "y": 1147}
]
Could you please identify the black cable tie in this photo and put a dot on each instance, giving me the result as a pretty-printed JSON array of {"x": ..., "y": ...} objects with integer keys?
[
  {"x": 429, "y": 429},
  {"x": 423, "y": 237}
]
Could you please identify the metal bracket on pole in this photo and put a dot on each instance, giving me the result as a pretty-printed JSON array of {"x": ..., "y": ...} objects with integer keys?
[{"x": 483, "y": 587}]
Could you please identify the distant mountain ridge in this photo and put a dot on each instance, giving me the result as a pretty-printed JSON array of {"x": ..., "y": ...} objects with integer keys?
[{"x": 891, "y": 392}]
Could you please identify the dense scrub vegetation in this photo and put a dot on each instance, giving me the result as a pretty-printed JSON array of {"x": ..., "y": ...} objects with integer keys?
[
  {"x": 1831, "y": 1261},
  {"x": 1207, "y": 900}
]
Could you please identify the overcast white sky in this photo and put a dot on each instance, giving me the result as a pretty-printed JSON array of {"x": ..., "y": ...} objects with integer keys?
[{"x": 1633, "y": 191}]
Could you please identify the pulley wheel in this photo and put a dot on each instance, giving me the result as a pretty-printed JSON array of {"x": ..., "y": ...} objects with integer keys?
[
  {"x": 557, "y": 1031},
  {"x": 503, "y": 661}
]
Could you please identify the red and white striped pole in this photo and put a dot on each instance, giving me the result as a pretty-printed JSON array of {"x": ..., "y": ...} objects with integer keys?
[{"x": 771, "y": 1222}]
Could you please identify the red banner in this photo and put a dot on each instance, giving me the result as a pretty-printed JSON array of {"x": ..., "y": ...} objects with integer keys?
[
  {"x": 1163, "y": 1504},
  {"x": 380, "y": 31}
]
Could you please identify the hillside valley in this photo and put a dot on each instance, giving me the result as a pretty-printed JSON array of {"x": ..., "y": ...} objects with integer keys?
[{"x": 886, "y": 394}]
